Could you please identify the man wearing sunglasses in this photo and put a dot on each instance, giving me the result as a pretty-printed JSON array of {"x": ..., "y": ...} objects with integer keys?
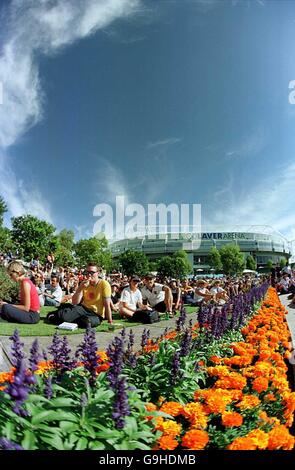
[{"x": 91, "y": 301}]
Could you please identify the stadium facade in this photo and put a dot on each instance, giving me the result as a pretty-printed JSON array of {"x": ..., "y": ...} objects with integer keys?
[{"x": 262, "y": 242}]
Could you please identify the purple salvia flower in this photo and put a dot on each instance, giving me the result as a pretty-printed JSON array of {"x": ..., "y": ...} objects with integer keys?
[
  {"x": 175, "y": 367},
  {"x": 115, "y": 353},
  {"x": 19, "y": 389},
  {"x": 34, "y": 356},
  {"x": 181, "y": 320},
  {"x": 48, "y": 388},
  {"x": 6, "y": 444},
  {"x": 185, "y": 343},
  {"x": 144, "y": 338},
  {"x": 17, "y": 349},
  {"x": 121, "y": 406},
  {"x": 130, "y": 343},
  {"x": 88, "y": 351},
  {"x": 123, "y": 333}
]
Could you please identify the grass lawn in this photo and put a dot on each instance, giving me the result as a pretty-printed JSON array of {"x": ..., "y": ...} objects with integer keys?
[{"x": 44, "y": 329}]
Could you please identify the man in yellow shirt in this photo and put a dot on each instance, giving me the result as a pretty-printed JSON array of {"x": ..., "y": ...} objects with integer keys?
[{"x": 91, "y": 302}]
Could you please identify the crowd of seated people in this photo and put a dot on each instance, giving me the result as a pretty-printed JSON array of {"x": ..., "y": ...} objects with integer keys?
[{"x": 58, "y": 286}]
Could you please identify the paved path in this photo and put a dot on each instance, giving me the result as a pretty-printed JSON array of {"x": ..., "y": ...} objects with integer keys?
[
  {"x": 103, "y": 339},
  {"x": 291, "y": 315}
]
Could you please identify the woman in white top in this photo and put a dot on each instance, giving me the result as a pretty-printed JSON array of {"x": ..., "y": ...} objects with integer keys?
[{"x": 131, "y": 299}]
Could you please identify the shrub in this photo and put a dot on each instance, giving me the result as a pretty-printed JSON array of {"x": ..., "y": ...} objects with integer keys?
[{"x": 8, "y": 289}]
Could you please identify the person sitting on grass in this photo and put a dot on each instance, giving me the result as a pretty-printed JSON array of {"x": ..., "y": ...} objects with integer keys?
[
  {"x": 53, "y": 294},
  {"x": 131, "y": 299},
  {"x": 91, "y": 302},
  {"x": 115, "y": 297},
  {"x": 176, "y": 295},
  {"x": 28, "y": 310},
  {"x": 202, "y": 293},
  {"x": 156, "y": 295},
  {"x": 220, "y": 293}
]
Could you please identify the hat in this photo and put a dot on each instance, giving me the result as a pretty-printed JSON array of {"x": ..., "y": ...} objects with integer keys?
[
  {"x": 150, "y": 276},
  {"x": 135, "y": 278},
  {"x": 202, "y": 281}
]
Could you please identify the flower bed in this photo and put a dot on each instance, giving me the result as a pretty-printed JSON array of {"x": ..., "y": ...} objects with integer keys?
[{"x": 219, "y": 384}]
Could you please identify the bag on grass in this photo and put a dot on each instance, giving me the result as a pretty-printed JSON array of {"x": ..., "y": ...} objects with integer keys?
[{"x": 146, "y": 316}]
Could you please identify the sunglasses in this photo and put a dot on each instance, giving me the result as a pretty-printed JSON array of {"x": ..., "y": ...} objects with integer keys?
[{"x": 91, "y": 272}]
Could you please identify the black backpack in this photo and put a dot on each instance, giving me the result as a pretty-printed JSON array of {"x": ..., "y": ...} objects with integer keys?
[{"x": 145, "y": 316}]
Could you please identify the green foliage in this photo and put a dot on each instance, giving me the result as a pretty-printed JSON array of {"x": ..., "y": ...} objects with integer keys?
[
  {"x": 65, "y": 423},
  {"x": 93, "y": 249},
  {"x": 283, "y": 262},
  {"x": 33, "y": 236},
  {"x": 134, "y": 262},
  {"x": 8, "y": 289},
  {"x": 232, "y": 259},
  {"x": 3, "y": 209},
  {"x": 64, "y": 248},
  {"x": 215, "y": 260},
  {"x": 251, "y": 263},
  {"x": 175, "y": 266},
  {"x": 269, "y": 264},
  {"x": 6, "y": 242}
]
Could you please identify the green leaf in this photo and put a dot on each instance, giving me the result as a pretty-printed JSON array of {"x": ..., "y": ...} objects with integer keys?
[
  {"x": 28, "y": 443},
  {"x": 54, "y": 441},
  {"x": 61, "y": 401},
  {"x": 82, "y": 444},
  {"x": 139, "y": 445},
  {"x": 9, "y": 430},
  {"x": 46, "y": 415},
  {"x": 68, "y": 426},
  {"x": 130, "y": 425},
  {"x": 96, "y": 445}
]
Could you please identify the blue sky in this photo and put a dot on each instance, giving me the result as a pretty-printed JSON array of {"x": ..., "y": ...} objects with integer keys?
[{"x": 162, "y": 101}]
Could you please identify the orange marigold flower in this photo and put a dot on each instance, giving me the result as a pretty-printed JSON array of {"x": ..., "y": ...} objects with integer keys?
[
  {"x": 280, "y": 438},
  {"x": 172, "y": 408},
  {"x": 167, "y": 443},
  {"x": 216, "y": 359},
  {"x": 196, "y": 415},
  {"x": 270, "y": 397},
  {"x": 259, "y": 437},
  {"x": 231, "y": 418},
  {"x": 170, "y": 428},
  {"x": 242, "y": 443},
  {"x": 150, "y": 406},
  {"x": 195, "y": 439},
  {"x": 260, "y": 384},
  {"x": 103, "y": 356},
  {"x": 248, "y": 402},
  {"x": 217, "y": 400}
]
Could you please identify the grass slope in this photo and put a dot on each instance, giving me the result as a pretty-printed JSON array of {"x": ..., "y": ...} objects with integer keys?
[{"x": 44, "y": 329}]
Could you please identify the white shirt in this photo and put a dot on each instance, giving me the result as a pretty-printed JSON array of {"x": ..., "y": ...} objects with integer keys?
[
  {"x": 154, "y": 296},
  {"x": 56, "y": 292},
  {"x": 132, "y": 298}
]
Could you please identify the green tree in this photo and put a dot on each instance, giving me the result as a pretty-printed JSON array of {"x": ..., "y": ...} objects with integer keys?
[
  {"x": 134, "y": 262},
  {"x": 175, "y": 266},
  {"x": 165, "y": 266},
  {"x": 215, "y": 260},
  {"x": 269, "y": 264},
  {"x": 232, "y": 259},
  {"x": 32, "y": 236},
  {"x": 6, "y": 242},
  {"x": 3, "y": 209},
  {"x": 283, "y": 262},
  {"x": 93, "y": 249},
  {"x": 251, "y": 263},
  {"x": 64, "y": 252}
]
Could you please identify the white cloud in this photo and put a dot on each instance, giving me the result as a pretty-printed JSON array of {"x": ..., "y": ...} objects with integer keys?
[
  {"x": 20, "y": 198},
  {"x": 163, "y": 143},
  {"x": 250, "y": 146},
  {"x": 30, "y": 28},
  {"x": 271, "y": 202}
]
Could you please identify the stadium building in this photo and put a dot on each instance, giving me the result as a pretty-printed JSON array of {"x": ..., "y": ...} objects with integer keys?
[{"x": 262, "y": 242}]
